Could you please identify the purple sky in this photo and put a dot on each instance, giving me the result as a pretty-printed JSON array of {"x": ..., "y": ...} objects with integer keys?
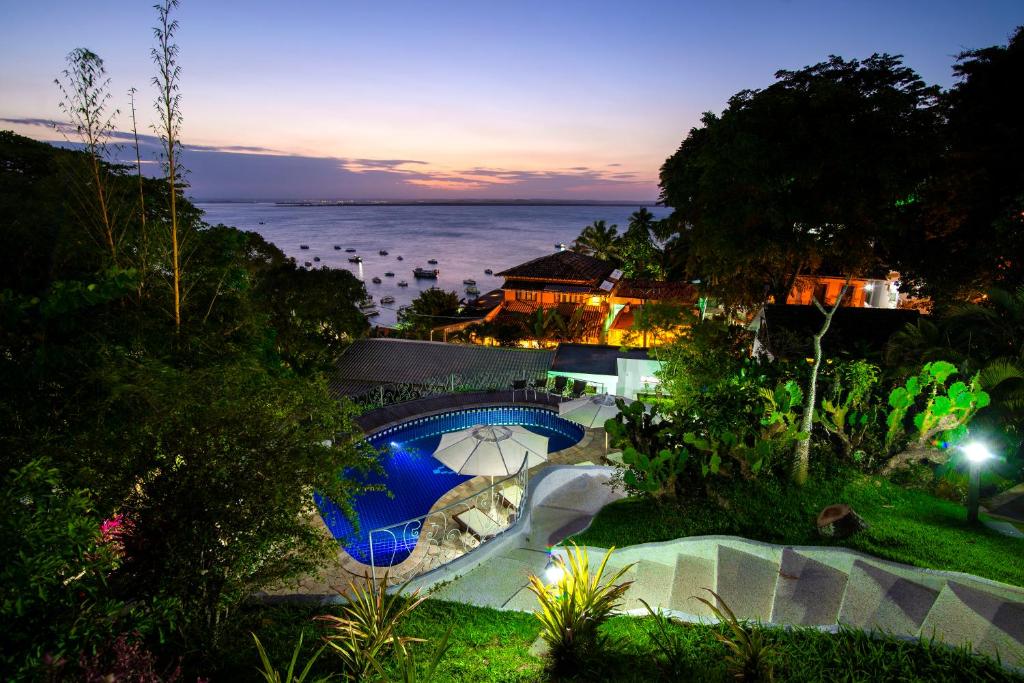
[{"x": 573, "y": 100}]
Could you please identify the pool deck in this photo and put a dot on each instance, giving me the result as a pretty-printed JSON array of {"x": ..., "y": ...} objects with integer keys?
[{"x": 589, "y": 450}]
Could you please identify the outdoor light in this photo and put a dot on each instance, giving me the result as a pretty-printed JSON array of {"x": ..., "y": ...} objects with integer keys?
[
  {"x": 554, "y": 573},
  {"x": 976, "y": 453}
]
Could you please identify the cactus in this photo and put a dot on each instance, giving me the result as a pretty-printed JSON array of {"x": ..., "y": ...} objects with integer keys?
[{"x": 946, "y": 412}]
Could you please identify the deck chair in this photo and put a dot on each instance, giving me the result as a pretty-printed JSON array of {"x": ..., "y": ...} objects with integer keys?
[
  {"x": 579, "y": 387},
  {"x": 559, "y": 387},
  {"x": 478, "y": 523},
  {"x": 539, "y": 383},
  {"x": 511, "y": 495},
  {"x": 518, "y": 385}
]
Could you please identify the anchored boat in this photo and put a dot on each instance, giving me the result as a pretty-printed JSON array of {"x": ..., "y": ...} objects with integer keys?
[
  {"x": 355, "y": 259},
  {"x": 425, "y": 273}
]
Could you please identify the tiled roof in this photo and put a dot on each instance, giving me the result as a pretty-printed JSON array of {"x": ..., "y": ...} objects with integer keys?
[
  {"x": 631, "y": 288},
  {"x": 373, "y": 362},
  {"x": 562, "y": 266},
  {"x": 592, "y": 359}
]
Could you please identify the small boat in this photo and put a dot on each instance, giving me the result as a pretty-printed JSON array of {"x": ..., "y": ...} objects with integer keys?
[
  {"x": 389, "y": 274},
  {"x": 303, "y": 246},
  {"x": 488, "y": 271},
  {"x": 371, "y": 314},
  {"x": 309, "y": 264},
  {"x": 387, "y": 299},
  {"x": 351, "y": 250},
  {"x": 403, "y": 283},
  {"x": 316, "y": 258},
  {"x": 425, "y": 273},
  {"x": 469, "y": 282},
  {"x": 432, "y": 261},
  {"x": 562, "y": 246},
  {"x": 337, "y": 247},
  {"x": 355, "y": 259},
  {"x": 400, "y": 258},
  {"x": 261, "y": 222},
  {"x": 473, "y": 290},
  {"x": 383, "y": 252},
  {"x": 376, "y": 281}
]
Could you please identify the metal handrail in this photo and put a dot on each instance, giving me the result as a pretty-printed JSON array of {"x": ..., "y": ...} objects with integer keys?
[{"x": 443, "y": 517}]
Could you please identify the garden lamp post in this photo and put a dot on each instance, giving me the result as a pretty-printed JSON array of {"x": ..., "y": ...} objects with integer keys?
[{"x": 977, "y": 453}]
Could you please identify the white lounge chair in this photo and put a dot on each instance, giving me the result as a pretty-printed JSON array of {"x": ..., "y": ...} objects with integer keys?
[
  {"x": 478, "y": 523},
  {"x": 512, "y": 494}
]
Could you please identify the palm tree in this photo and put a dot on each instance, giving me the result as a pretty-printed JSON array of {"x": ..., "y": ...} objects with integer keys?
[
  {"x": 642, "y": 219},
  {"x": 544, "y": 324},
  {"x": 598, "y": 240}
]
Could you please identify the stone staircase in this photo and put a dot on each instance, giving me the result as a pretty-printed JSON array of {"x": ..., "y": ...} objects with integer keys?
[{"x": 822, "y": 587}]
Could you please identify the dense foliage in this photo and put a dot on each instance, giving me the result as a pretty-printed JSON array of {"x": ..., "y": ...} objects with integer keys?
[{"x": 205, "y": 442}]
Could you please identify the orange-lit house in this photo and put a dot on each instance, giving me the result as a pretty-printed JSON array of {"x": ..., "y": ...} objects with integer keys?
[
  {"x": 862, "y": 292},
  {"x": 587, "y": 290}
]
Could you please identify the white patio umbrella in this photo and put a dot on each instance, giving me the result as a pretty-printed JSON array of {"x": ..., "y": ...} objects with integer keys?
[
  {"x": 491, "y": 450},
  {"x": 591, "y": 411}
]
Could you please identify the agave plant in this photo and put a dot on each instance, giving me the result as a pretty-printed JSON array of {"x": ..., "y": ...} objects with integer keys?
[
  {"x": 272, "y": 675},
  {"x": 573, "y": 607},
  {"x": 750, "y": 657},
  {"x": 408, "y": 671},
  {"x": 366, "y": 628}
]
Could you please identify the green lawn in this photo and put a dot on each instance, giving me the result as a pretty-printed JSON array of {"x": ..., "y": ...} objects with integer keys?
[
  {"x": 906, "y": 525},
  {"x": 488, "y": 645}
]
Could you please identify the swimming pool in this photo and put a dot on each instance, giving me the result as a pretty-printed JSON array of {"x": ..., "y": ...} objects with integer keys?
[{"x": 417, "y": 480}]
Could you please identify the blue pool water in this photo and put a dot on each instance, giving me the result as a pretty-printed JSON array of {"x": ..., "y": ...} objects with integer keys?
[{"x": 416, "y": 480}]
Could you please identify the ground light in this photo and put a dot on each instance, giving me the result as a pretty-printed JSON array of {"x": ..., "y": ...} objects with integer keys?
[
  {"x": 976, "y": 453},
  {"x": 554, "y": 572}
]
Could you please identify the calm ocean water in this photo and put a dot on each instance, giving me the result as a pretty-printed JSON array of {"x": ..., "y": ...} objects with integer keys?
[{"x": 464, "y": 239}]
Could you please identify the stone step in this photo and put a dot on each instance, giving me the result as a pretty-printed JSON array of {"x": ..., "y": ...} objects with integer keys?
[
  {"x": 691, "y": 577},
  {"x": 808, "y": 592},
  {"x": 879, "y": 600},
  {"x": 746, "y": 583},
  {"x": 991, "y": 625},
  {"x": 653, "y": 584}
]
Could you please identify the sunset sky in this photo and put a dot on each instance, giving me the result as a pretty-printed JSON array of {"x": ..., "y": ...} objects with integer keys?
[{"x": 325, "y": 100}]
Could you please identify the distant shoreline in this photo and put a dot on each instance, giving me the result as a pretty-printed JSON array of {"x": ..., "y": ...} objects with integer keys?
[{"x": 438, "y": 202}]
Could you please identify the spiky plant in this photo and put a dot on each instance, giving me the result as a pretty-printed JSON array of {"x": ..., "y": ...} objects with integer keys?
[
  {"x": 750, "y": 657},
  {"x": 272, "y": 675},
  {"x": 574, "y": 607},
  {"x": 365, "y": 629}
]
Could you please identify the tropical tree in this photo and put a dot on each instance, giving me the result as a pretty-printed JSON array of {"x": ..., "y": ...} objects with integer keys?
[
  {"x": 971, "y": 230},
  {"x": 815, "y": 172},
  {"x": 640, "y": 256},
  {"x": 85, "y": 100},
  {"x": 598, "y": 240},
  {"x": 543, "y": 325},
  {"x": 433, "y": 307}
]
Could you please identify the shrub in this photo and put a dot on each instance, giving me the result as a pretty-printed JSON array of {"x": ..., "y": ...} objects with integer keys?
[{"x": 574, "y": 607}]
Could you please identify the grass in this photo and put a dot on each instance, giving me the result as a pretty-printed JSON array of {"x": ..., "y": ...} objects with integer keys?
[
  {"x": 487, "y": 645},
  {"x": 906, "y": 525}
]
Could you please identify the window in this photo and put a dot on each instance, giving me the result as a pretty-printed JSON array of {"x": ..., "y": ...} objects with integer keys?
[{"x": 524, "y": 295}]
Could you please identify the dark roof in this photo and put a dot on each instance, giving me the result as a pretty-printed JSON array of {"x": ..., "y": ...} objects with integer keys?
[
  {"x": 564, "y": 266},
  {"x": 788, "y": 329},
  {"x": 593, "y": 359},
  {"x": 369, "y": 363},
  {"x": 634, "y": 288},
  {"x": 536, "y": 286}
]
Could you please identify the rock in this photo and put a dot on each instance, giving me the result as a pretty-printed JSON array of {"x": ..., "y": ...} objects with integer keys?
[{"x": 839, "y": 521}]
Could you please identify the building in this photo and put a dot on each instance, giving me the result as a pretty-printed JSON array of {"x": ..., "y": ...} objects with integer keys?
[
  {"x": 593, "y": 299},
  {"x": 862, "y": 292}
]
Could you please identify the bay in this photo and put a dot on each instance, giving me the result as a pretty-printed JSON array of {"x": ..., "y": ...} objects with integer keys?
[{"x": 464, "y": 239}]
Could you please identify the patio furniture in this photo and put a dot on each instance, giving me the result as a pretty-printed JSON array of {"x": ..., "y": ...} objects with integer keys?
[
  {"x": 578, "y": 388},
  {"x": 559, "y": 386},
  {"x": 539, "y": 383},
  {"x": 518, "y": 385},
  {"x": 478, "y": 523},
  {"x": 511, "y": 495},
  {"x": 591, "y": 411}
]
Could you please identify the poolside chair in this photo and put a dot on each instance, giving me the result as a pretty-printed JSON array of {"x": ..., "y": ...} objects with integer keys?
[
  {"x": 579, "y": 387},
  {"x": 518, "y": 385},
  {"x": 539, "y": 383},
  {"x": 511, "y": 495},
  {"x": 559, "y": 387},
  {"x": 479, "y": 523}
]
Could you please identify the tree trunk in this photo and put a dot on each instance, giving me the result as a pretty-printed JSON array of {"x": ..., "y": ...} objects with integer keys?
[{"x": 802, "y": 457}]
